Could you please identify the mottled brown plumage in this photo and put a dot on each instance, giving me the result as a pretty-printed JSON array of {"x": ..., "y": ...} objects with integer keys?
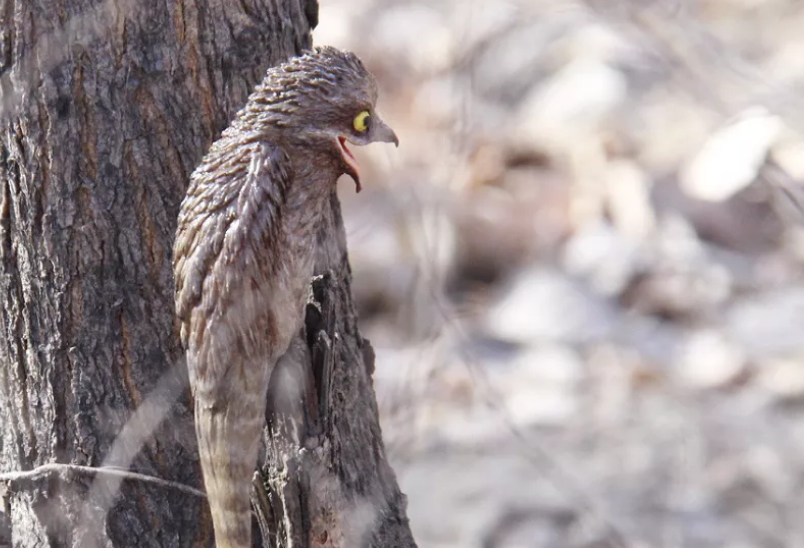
[{"x": 244, "y": 252}]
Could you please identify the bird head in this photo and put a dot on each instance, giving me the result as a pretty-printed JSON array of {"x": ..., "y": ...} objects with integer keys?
[{"x": 327, "y": 98}]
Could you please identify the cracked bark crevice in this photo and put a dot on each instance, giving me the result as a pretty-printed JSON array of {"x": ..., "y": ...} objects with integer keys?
[{"x": 324, "y": 424}]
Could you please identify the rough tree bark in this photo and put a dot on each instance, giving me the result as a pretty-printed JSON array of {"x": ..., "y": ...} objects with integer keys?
[{"x": 107, "y": 106}]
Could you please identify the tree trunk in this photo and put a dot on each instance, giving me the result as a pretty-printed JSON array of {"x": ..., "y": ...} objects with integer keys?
[{"x": 107, "y": 106}]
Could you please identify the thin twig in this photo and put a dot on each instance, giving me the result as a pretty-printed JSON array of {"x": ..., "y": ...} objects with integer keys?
[{"x": 61, "y": 469}]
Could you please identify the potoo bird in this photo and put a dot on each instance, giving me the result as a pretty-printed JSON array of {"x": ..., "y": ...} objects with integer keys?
[{"x": 244, "y": 252}]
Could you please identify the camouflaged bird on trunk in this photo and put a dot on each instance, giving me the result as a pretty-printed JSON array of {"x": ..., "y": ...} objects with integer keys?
[{"x": 244, "y": 254}]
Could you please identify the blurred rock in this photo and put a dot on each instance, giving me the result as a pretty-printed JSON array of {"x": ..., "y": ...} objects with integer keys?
[
  {"x": 668, "y": 128},
  {"x": 604, "y": 256},
  {"x": 475, "y": 486},
  {"x": 438, "y": 100},
  {"x": 542, "y": 304},
  {"x": 482, "y": 22},
  {"x": 506, "y": 68},
  {"x": 573, "y": 102},
  {"x": 746, "y": 222},
  {"x": 539, "y": 386},
  {"x": 628, "y": 191},
  {"x": 708, "y": 359},
  {"x": 731, "y": 158},
  {"x": 677, "y": 295},
  {"x": 768, "y": 324},
  {"x": 498, "y": 230},
  {"x": 783, "y": 376},
  {"x": 678, "y": 276},
  {"x": 789, "y": 154},
  {"x": 415, "y": 34}
]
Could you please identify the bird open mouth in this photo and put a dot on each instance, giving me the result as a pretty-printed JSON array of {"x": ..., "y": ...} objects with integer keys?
[{"x": 350, "y": 161}]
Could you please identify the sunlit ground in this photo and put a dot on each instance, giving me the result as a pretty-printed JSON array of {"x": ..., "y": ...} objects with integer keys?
[{"x": 582, "y": 268}]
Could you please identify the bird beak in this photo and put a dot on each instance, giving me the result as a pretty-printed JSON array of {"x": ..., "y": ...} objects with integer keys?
[{"x": 379, "y": 132}]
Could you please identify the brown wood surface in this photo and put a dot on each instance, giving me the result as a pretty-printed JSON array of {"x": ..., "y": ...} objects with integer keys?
[{"x": 106, "y": 109}]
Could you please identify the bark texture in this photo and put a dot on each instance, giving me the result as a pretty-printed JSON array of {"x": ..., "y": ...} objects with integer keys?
[
  {"x": 325, "y": 481},
  {"x": 107, "y": 106}
]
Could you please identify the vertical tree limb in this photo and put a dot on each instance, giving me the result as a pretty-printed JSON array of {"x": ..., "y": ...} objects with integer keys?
[{"x": 107, "y": 106}]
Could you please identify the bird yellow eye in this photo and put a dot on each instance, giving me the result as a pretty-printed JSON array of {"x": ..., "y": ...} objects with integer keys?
[{"x": 361, "y": 121}]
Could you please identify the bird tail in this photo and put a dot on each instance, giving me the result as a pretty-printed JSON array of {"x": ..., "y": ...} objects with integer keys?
[{"x": 228, "y": 442}]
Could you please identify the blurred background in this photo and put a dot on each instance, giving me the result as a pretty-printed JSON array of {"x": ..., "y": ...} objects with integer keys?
[{"x": 582, "y": 269}]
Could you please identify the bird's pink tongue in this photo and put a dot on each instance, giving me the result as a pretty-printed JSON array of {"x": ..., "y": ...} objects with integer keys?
[{"x": 351, "y": 161}]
